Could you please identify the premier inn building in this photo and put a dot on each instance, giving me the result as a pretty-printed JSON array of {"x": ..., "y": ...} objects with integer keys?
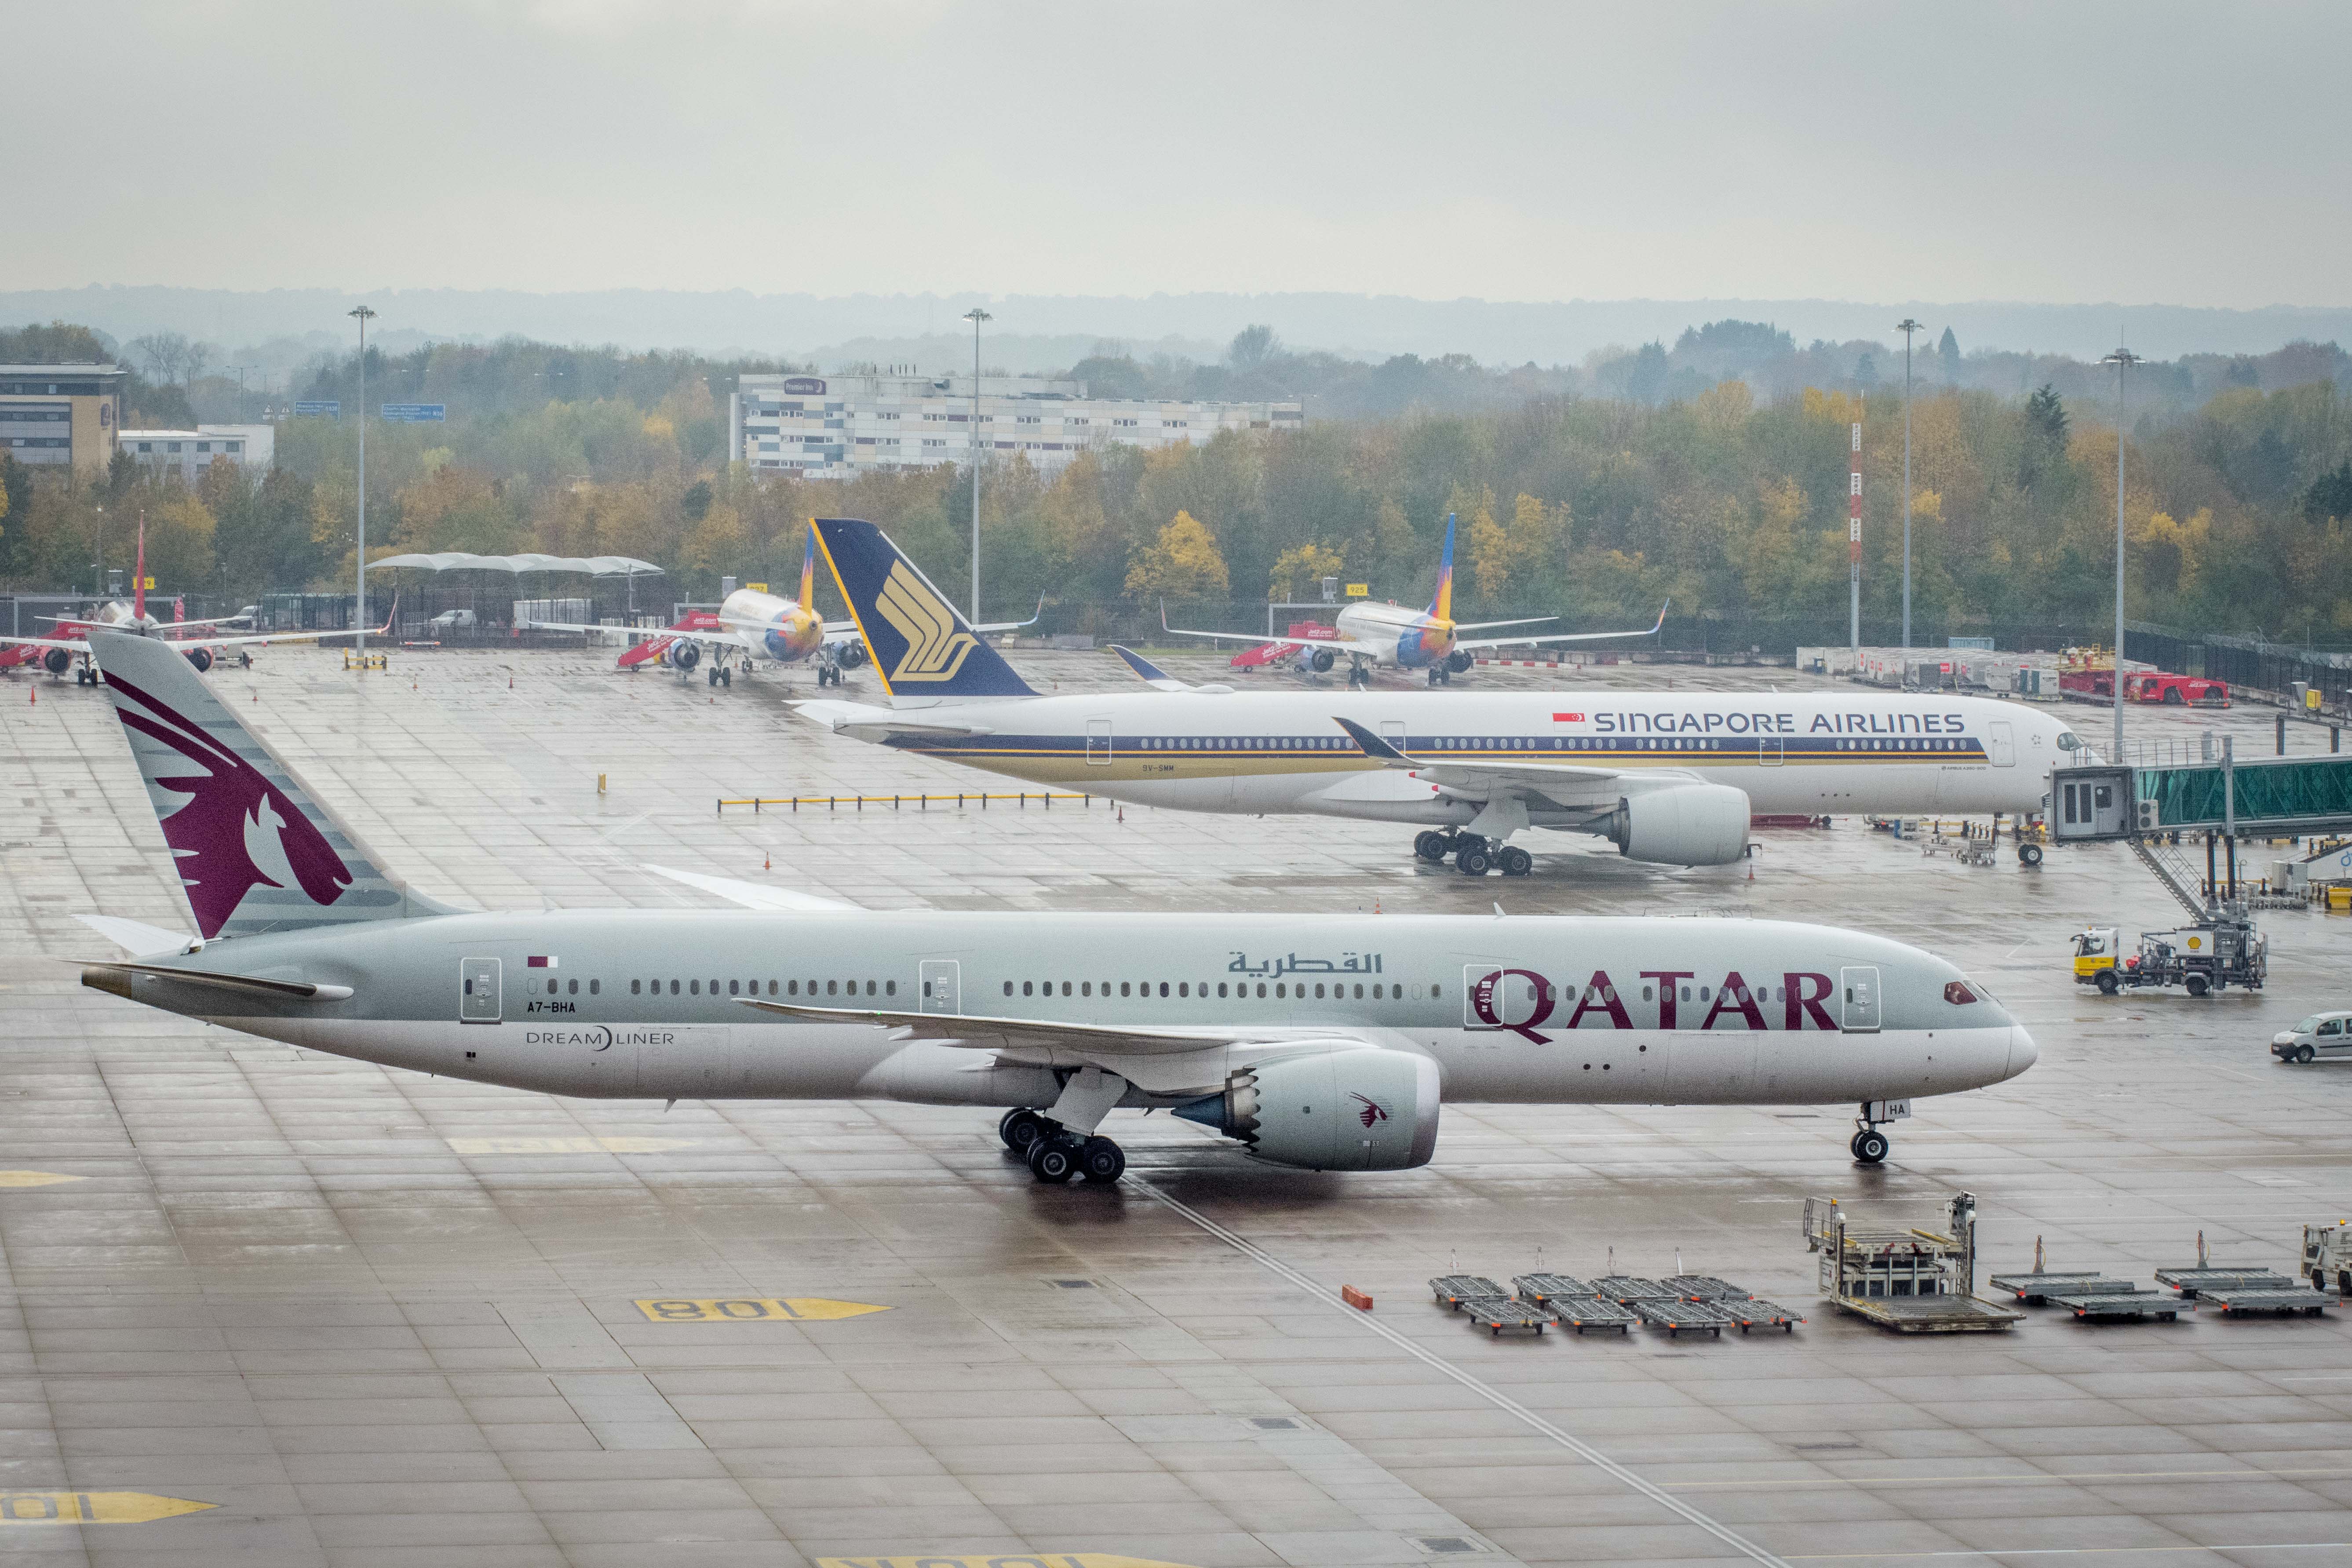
[{"x": 62, "y": 418}]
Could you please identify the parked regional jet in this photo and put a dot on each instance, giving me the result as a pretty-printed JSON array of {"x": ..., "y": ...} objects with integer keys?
[
  {"x": 1667, "y": 776},
  {"x": 57, "y": 653},
  {"x": 1318, "y": 1041},
  {"x": 754, "y": 623},
  {"x": 1373, "y": 635}
]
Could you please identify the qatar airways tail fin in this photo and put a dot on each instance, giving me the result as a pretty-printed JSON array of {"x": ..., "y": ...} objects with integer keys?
[
  {"x": 922, "y": 648},
  {"x": 1441, "y": 604},
  {"x": 256, "y": 853}
]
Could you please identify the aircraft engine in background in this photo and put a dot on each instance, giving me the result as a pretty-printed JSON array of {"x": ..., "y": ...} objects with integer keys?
[
  {"x": 683, "y": 654},
  {"x": 850, "y": 655},
  {"x": 1460, "y": 660},
  {"x": 1688, "y": 825},
  {"x": 201, "y": 658},
  {"x": 1343, "y": 1108},
  {"x": 55, "y": 660},
  {"x": 1319, "y": 659}
]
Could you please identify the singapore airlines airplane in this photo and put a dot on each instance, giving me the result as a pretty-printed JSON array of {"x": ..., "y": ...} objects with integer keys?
[
  {"x": 1318, "y": 1041},
  {"x": 1671, "y": 777},
  {"x": 1373, "y": 635},
  {"x": 755, "y": 624}
]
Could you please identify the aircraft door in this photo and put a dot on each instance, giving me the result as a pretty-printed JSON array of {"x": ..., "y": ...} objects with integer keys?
[
  {"x": 1494, "y": 997},
  {"x": 942, "y": 985},
  {"x": 478, "y": 991},
  {"x": 1769, "y": 752},
  {"x": 1392, "y": 731},
  {"x": 1859, "y": 987},
  {"x": 1098, "y": 743},
  {"x": 2002, "y": 743}
]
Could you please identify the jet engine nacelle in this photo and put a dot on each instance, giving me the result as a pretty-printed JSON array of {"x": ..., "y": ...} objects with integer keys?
[
  {"x": 849, "y": 655},
  {"x": 1687, "y": 824},
  {"x": 683, "y": 655},
  {"x": 1350, "y": 1108},
  {"x": 1319, "y": 659},
  {"x": 55, "y": 660},
  {"x": 1459, "y": 660},
  {"x": 201, "y": 658}
]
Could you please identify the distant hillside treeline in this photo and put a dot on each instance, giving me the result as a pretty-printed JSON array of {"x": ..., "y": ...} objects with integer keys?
[{"x": 1712, "y": 472}]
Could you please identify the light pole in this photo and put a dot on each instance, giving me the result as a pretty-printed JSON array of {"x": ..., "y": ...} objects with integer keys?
[
  {"x": 359, "y": 605},
  {"x": 1906, "y": 326},
  {"x": 976, "y": 316},
  {"x": 2123, "y": 359},
  {"x": 240, "y": 370}
]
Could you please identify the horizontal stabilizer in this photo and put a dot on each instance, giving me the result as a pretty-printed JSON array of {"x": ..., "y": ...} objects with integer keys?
[
  {"x": 1150, "y": 674},
  {"x": 854, "y": 715},
  {"x": 136, "y": 936},
  {"x": 755, "y": 895}
]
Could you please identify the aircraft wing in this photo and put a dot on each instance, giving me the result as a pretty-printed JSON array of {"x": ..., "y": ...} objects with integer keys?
[
  {"x": 81, "y": 645},
  {"x": 1564, "y": 637},
  {"x": 715, "y": 638},
  {"x": 1486, "y": 626},
  {"x": 1479, "y": 780},
  {"x": 858, "y": 717},
  {"x": 75, "y": 645},
  {"x": 755, "y": 895},
  {"x": 987, "y": 1033}
]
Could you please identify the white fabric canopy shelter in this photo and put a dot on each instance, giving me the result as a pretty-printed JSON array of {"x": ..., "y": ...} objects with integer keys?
[{"x": 460, "y": 561}]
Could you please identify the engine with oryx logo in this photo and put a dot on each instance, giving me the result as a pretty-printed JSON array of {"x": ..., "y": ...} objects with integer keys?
[{"x": 1323, "y": 1107}]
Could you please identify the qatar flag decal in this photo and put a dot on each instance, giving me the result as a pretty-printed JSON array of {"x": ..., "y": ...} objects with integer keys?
[{"x": 539, "y": 961}]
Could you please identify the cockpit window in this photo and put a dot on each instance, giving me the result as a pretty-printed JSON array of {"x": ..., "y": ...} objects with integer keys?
[
  {"x": 1958, "y": 993},
  {"x": 2069, "y": 741}
]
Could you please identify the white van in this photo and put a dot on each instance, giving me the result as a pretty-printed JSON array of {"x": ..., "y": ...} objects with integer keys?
[{"x": 2321, "y": 1035}]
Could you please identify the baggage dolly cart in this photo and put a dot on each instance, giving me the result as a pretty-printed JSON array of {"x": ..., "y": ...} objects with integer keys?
[
  {"x": 1541, "y": 1289},
  {"x": 1582, "y": 1312},
  {"x": 2032, "y": 1289},
  {"x": 1627, "y": 1289},
  {"x": 1706, "y": 1288},
  {"x": 1496, "y": 1313},
  {"x": 2194, "y": 1282},
  {"x": 1677, "y": 1317},
  {"x": 2130, "y": 1301},
  {"x": 1754, "y": 1313},
  {"x": 2239, "y": 1299},
  {"x": 1453, "y": 1290}
]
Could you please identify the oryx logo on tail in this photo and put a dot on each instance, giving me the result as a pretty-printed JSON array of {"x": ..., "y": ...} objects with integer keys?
[{"x": 935, "y": 648}]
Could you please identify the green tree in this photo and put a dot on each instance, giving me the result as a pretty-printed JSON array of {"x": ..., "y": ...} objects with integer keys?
[{"x": 1306, "y": 564}]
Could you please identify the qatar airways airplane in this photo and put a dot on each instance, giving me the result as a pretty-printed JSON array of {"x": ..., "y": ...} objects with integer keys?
[
  {"x": 1371, "y": 635},
  {"x": 1323, "y": 1042},
  {"x": 755, "y": 624},
  {"x": 1670, "y": 777}
]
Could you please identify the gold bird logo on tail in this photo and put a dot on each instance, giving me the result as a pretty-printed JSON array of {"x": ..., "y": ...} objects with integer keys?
[{"x": 935, "y": 650}]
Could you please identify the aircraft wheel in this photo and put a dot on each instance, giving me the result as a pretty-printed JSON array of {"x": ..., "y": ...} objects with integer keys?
[
  {"x": 1515, "y": 861},
  {"x": 2197, "y": 986},
  {"x": 727, "y": 677},
  {"x": 1870, "y": 1146},
  {"x": 1428, "y": 844},
  {"x": 2028, "y": 854},
  {"x": 2305, "y": 1055},
  {"x": 1101, "y": 1161},
  {"x": 1053, "y": 1161},
  {"x": 1474, "y": 859},
  {"x": 1432, "y": 677},
  {"x": 1020, "y": 1128},
  {"x": 2107, "y": 983},
  {"x": 713, "y": 674}
]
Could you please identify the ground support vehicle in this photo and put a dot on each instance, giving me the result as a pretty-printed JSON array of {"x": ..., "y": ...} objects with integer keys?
[
  {"x": 2211, "y": 956},
  {"x": 2327, "y": 1257},
  {"x": 1911, "y": 1280},
  {"x": 2321, "y": 1035}
]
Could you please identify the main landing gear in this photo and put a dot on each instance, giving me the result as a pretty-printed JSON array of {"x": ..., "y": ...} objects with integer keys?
[
  {"x": 1054, "y": 1155},
  {"x": 722, "y": 675},
  {"x": 1473, "y": 856},
  {"x": 828, "y": 674},
  {"x": 1439, "y": 675},
  {"x": 1360, "y": 675}
]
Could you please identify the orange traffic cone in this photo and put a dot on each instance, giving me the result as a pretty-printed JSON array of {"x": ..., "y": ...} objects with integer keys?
[{"x": 767, "y": 863}]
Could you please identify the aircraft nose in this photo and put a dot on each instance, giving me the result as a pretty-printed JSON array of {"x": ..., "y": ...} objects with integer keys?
[{"x": 2022, "y": 1052}]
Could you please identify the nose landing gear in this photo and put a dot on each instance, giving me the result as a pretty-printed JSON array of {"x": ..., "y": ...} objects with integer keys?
[{"x": 1870, "y": 1145}]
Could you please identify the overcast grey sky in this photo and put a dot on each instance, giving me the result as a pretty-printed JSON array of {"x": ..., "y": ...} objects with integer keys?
[{"x": 2139, "y": 153}]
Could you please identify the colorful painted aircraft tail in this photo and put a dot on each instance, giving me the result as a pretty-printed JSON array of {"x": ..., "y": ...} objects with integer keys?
[
  {"x": 922, "y": 648},
  {"x": 254, "y": 851},
  {"x": 1441, "y": 604},
  {"x": 808, "y": 570}
]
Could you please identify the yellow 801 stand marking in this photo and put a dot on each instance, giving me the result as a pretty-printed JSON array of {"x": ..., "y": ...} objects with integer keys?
[
  {"x": 32, "y": 1178},
  {"x": 754, "y": 1310},
  {"x": 1041, "y": 1560},
  {"x": 93, "y": 1508}
]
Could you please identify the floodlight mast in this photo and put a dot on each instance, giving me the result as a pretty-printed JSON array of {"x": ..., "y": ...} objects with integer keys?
[
  {"x": 359, "y": 601},
  {"x": 976, "y": 316},
  {"x": 2123, "y": 359},
  {"x": 1906, "y": 326}
]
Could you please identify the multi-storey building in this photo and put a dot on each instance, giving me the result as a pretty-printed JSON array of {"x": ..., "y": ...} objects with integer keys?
[
  {"x": 832, "y": 426},
  {"x": 189, "y": 452},
  {"x": 61, "y": 417}
]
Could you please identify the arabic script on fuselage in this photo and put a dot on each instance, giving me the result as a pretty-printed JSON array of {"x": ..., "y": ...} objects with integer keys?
[{"x": 1291, "y": 964}]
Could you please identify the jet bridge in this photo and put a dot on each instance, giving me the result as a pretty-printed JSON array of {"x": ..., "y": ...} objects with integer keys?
[{"x": 2222, "y": 801}]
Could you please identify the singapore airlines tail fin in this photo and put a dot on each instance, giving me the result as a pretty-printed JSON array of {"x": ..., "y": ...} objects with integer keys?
[
  {"x": 923, "y": 649},
  {"x": 1441, "y": 606},
  {"x": 254, "y": 852}
]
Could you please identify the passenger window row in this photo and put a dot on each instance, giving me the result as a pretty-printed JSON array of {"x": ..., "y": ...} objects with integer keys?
[
  {"x": 1282, "y": 989},
  {"x": 556, "y": 987},
  {"x": 751, "y": 987}
]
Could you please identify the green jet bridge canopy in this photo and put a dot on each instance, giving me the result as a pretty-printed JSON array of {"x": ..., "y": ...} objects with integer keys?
[{"x": 2267, "y": 798}]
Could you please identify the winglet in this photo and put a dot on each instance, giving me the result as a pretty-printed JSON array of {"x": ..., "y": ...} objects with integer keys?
[
  {"x": 1379, "y": 751},
  {"x": 1150, "y": 674},
  {"x": 1661, "y": 618}
]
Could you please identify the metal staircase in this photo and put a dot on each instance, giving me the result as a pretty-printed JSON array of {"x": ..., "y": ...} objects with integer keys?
[{"x": 2178, "y": 878}]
